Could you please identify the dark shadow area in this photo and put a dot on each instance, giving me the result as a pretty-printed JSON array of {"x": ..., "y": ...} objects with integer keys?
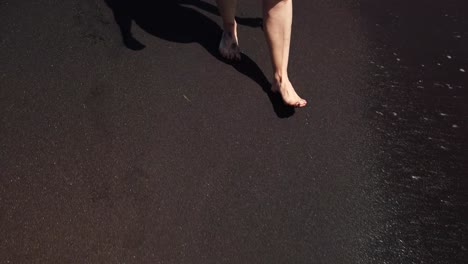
[{"x": 177, "y": 21}]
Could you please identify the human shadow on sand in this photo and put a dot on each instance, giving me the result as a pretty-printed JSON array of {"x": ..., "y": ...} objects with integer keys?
[{"x": 177, "y": 21}]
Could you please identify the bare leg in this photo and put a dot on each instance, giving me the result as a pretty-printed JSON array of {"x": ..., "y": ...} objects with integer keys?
[
  {"x": 278, "y": 22},
  {"x": 229, "y": 45}
]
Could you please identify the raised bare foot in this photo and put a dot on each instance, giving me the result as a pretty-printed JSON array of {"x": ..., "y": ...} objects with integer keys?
[
  {"x": 289, "y": 95},
  {"x": 229, "y": 45}
]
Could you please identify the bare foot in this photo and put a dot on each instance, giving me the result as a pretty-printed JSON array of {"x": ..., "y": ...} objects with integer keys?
[
  {"x": 229, "y": 46},
  {"x": 289, "y": 95}
]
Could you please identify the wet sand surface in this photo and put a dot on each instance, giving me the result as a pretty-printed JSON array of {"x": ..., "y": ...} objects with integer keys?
[{"x": 155, "y": 150}]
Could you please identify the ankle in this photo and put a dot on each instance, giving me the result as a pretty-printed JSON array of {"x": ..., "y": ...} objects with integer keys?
[
  {"x": 280, "y": 77},
  {"x": 230, "y": 27}
]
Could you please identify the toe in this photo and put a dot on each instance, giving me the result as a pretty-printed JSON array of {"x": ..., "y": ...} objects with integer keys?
[{"x": 301, "y": 103}]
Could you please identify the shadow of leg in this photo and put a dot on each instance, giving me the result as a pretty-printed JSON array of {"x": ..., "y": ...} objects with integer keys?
[
  {"x": 245, "y": 21},
  {"x": 124, "y": 21}
]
